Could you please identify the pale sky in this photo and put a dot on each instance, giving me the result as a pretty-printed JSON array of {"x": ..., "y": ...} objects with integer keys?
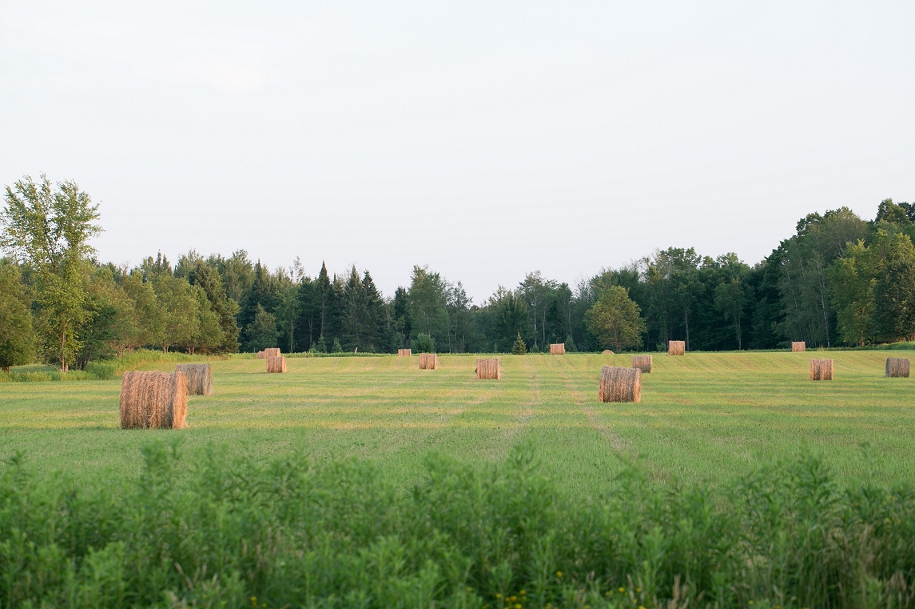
[{"x": 485, "y": 139}]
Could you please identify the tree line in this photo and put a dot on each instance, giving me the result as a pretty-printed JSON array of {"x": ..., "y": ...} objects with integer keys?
[{"x": 839, "y": 280}]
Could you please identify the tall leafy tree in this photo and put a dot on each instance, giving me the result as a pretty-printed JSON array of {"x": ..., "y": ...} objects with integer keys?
[
  {"x": 537, "y": 294},
  {"x": 17, "y": 338},
  {"x": 803, "y": 282},
  {"x": 179, "y": 308},
  {"x": 49, "y": 229},
  {"x": 237, "y": 273},
  {"x": 207, "y": 278},
  {"x": 616, "y": 319},
  {"x": 852, "y": 280},
  {"x": 508, "y": 317},
  {"x": 894, "y": 290},
  {"x": 110, "y": 319},
  {"x": 462, "y": 331},
  {"x": 428, "y": 298},
  {"x": 149, "y": 316}
]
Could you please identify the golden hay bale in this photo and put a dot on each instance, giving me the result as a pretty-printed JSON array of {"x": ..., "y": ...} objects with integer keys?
[
  {"x": 798, "y": 347},
  {"x": 405, "y": 353},
  {"x": 428, "y": 361},
  {"x": 199, "y": 378},
  {"x": 606, "y": 352},
  {"x": 897, "y": 367},
  {"x": 676, "y": 347},
  {"x": 271, "y": 352},
  {"x": 642, "y": 362},
  {"x": 620, "y": 384},
  {"x": 153, "y": 400},
  {"x": 261, "y": 355},
  {"x": 821, "y": 369},
  {"x": 558, "y": 349},
  {"x": 276, "y": 364},
  {"x": 488, "y": 369}
]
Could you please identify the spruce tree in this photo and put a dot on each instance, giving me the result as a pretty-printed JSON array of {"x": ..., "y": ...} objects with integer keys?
[
  {"x": 323, "y": 295},
  {"x": 261, "y": 332},
  {"x": 519, "y": 348},
  {"x": 263, "y": 294},
  {"x": 319, "y": 346}
]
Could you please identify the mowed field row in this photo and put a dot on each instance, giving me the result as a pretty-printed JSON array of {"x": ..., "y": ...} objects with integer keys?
[{"x": 703, "y": 416}]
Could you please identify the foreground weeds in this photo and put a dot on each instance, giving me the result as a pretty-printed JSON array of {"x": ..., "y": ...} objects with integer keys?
[{"x": 289, "y": 533}]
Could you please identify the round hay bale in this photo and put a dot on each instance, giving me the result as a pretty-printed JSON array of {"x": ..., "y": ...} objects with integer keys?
[
  {"x": 897, "y": 367},
  {"x": 821, "y": 369},
  {"x": 199, "y": 378},
  {"x": 606, "y": 352},
  {"x": 488, "y": 369},
  {"x": 558, "y": 349},
  {"x": 271, "y": 352},
  {"x": 153, "y": 400},
  {"x": 676, "y": 347},
  {"x": 261, "y": 355},
  {"x": 276, "y": 364},
  {"x": 428, "y": 361},
  {"x": 798, "y": 347},
  {"x": 405, "y": 353},
  {"x": 620, "y": 384},
  {"x": 642, "y": 362}
]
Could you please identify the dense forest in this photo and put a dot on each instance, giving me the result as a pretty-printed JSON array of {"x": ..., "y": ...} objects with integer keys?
[{"x": 839, "y": 280}]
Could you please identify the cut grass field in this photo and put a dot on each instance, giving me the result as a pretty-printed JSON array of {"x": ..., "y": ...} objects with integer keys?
[{"x": 703, "y": 417}]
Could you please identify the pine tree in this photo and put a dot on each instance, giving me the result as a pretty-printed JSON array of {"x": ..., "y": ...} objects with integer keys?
[
  {"x": 320, "y": 346},
  {"x": 519, "y": 348},
  {"x": 338, "y": 348},
  {"x": 263, "y": 294},
  {"x": 324, "y": 294},
  {"x": 261, "y": 332},
  {"x": 309, "y": 318}
]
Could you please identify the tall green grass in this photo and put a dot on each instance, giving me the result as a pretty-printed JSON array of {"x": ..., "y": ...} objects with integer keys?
[
  {"x": 222, "y": 531},
  {"x": 102, "y": 370}
]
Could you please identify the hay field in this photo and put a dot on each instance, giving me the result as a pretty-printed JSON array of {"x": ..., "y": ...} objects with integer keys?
[{"x": 703, "y": 416}]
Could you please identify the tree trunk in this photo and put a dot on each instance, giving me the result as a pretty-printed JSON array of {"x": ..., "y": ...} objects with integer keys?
[{"x": 63, "y": 349}]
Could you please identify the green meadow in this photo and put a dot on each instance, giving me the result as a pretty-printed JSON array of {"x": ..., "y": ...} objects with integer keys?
[{"x": 703, "y": 418}]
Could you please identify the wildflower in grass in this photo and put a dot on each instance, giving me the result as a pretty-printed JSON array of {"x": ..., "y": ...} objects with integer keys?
[
  {"x": 558, "y": 573},
  {"x": 622, "y": 590}
]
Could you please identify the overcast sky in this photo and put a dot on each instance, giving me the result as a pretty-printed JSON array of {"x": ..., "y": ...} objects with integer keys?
[{"x": 485, "y": 139}]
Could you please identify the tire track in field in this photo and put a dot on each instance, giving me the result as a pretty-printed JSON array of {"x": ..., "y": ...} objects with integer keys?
[
  {"x": 616, "y": 442},
  {"x": 398, "y": 437},
  {"x": 526, "y": 409}
]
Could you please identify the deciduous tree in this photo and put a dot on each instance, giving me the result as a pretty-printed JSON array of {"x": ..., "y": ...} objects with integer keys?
[
  {"x": 49, "y": 229},
  {"x": 615, "y": 319}
]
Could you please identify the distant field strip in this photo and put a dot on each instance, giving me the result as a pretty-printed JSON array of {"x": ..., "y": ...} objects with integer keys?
[{"x": 702, "y": 416}]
